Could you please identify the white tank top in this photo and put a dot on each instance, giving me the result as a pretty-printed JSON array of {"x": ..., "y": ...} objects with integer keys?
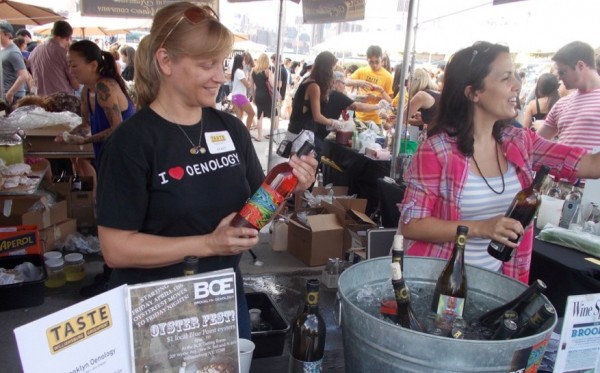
[{"x": 479, "y": 203}]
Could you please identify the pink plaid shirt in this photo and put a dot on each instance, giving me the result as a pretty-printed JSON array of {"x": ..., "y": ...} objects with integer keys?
[{"x": 438, "y": 172}]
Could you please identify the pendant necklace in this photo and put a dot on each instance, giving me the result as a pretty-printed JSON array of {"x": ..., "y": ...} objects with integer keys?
[
  {"x": 501, "y": 174},
  {"x": 195, "y": 149}
]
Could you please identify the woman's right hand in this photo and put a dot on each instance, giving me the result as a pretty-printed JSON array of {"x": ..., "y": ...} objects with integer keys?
[
  {"x": 501, "y": 229},
  {"x": 228, "y": 240}
]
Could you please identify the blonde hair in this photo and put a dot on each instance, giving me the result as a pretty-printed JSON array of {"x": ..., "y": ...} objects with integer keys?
[
  {"x": 421, "y": 80},
  {"x": 181, "y": 38},
  {"x": 262, "y": 63}
]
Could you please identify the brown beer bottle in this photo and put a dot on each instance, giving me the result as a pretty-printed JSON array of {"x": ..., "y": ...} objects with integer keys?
[
  {"x": 308, "y": 334},
  {"x": 406, "y": 316},
  {"x": 450, "y": 291},
  {"x": 519, "y": 304},
  {"x": 523, "y": 208},
  {"x": 278, "y": 185},
  {"x": 535, "y": 322}
]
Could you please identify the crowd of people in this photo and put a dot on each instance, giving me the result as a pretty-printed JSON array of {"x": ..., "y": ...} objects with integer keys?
[{"x": 153, "y": 211}]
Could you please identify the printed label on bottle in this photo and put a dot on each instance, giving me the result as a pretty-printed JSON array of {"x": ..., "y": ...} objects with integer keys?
[
  {"x": 297, "y": 366},
  {"x": 449, "y": 308},
  {"x": 261, "y": 206}
]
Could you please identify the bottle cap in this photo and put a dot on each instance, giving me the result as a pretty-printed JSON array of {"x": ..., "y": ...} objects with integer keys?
[
  {"x": 55, "y": 263},
  {"x": 313, "y": 284},
  {"x": 191, "y": 259},
  {"x": 52, "y": 255},
  {"x": 461, "y": 229},
  {"x": 74, "y": 258}
]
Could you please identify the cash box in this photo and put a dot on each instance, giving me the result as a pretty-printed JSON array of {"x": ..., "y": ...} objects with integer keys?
[
  {"x": 268, "y": 342},
  {"x": 22, "y": 294}
]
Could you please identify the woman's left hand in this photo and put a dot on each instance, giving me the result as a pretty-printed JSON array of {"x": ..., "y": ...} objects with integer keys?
[{"x": 305, "y": 169}]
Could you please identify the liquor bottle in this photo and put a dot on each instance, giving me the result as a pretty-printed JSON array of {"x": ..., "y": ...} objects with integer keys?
[
  {"x": 406, "y": 315},
  {"x": 308, "y": 334},
  {"x": 76, "y": 183},
  {"x": 535, "y": 323},
  {"x": 492, "y": 317},
  {"x": 451, "y": 288},
  {"x": 523, "y": 208},
  {"x": 388, "y": 306},
  {"x": 190, "y": 265},
  {"x": 278, "y": 185}
]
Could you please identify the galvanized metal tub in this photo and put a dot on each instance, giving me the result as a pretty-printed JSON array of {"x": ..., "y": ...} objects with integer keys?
[{"x": 374, "y": 345}]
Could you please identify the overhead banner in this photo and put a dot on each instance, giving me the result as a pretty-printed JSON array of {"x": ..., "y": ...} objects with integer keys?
[
  {"x": 331, "y": 11},
  {"x": 133, "y": 8}
]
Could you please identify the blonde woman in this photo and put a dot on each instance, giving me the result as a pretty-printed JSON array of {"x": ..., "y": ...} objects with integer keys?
[
  {"x": 261, "y": 76},
  {"x": 157, "y": 202},
  {"x": 424, "y": 97}
]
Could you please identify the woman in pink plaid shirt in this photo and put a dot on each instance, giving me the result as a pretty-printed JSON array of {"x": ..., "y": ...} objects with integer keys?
[{"x": 474, "y": 161}]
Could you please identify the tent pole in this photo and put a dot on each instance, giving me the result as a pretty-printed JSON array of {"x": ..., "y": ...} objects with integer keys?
[
  {"x": 276, "y": 81},
  {"x": 397, "y": 163}
]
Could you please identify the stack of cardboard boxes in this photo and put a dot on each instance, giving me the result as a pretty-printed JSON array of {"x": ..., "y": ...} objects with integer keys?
[
  {"x": 316, "y": 234},
  {"x": 80, "y": 204},
  {"x": 52, "y": 221}
]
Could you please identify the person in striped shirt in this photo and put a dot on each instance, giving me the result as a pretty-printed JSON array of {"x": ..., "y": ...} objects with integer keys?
[
  {"x": 575, "y": 118},
  {"x": 473, "y": 162}
]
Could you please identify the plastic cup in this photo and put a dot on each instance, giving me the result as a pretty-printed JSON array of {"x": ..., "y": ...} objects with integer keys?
[
  {"x": 255, "y": 317},
  {"x": 246, "y": 349}
]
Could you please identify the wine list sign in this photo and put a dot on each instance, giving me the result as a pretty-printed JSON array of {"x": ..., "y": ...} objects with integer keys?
[{"x": 189, "y": 322}]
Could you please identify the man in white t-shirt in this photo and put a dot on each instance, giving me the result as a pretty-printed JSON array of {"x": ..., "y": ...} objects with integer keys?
[{"x": 575, "y": 118}]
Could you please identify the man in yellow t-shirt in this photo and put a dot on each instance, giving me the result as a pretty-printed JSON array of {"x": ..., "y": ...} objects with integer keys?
[{"x": 374, "y": 83}]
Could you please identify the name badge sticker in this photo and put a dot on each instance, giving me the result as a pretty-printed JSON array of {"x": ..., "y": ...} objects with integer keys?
[{"x": 219, "y": 142}]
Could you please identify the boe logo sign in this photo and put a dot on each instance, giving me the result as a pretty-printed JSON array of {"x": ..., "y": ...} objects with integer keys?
[{"x": 216, "y": 287}]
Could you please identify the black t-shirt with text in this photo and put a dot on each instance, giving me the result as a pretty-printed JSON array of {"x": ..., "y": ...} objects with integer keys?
[{"x": 149, "y": 182}]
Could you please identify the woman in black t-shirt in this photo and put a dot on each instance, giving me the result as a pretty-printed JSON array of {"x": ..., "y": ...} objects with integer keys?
[{"x": 174, "y": 175}]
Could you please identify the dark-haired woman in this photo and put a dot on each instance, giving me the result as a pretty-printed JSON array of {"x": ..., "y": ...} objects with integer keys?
[
  {"x": 104, "y": 99},
  {"x": 546, "y": 95},
  {"x": 310, "y": 96},
  {"x": 240, "y": 83},
  {"x": 104, "y": 105},
  {"x": 473, "y": 162}
]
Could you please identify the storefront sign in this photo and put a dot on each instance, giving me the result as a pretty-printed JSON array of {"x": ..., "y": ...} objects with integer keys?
[
  {"x": 189, "y": 322},
  {"x": 90, "y": 336},
  {"x": 133, "y": 8},
  {"x": 329, "y": 11}
]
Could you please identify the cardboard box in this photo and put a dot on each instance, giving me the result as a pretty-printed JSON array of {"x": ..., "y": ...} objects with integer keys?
[
  {"x": 350, "y": 212},
  {"x": 19, "y": 240},
  {"x": 61, "y": 190},
  {"x": 315, "y": 244},
  {"x": 42, "y": 140},
  {"x": 17, "y": 210},
  {"x": 355, "y": 230},
  {"x": 55, "y": 236}
]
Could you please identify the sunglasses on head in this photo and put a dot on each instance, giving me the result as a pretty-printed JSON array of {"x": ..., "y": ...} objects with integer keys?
[{"x": 192, "y": 15}]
